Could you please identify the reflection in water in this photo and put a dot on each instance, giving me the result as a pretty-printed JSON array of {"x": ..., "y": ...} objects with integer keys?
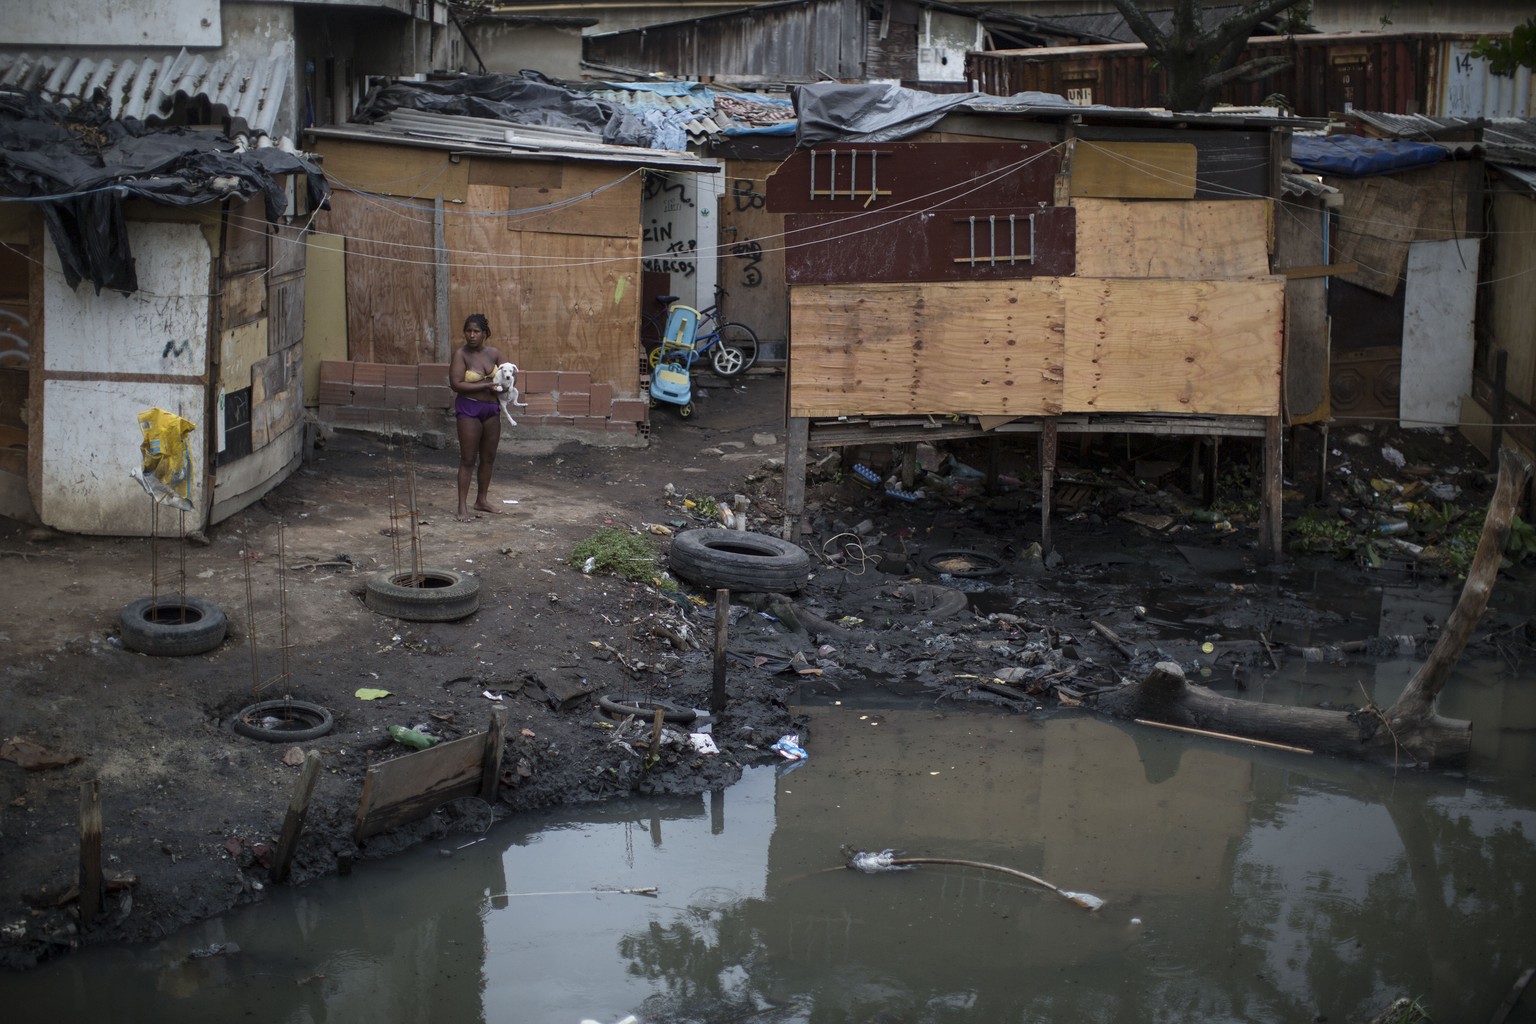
[{"x": 1242, "y": 886}]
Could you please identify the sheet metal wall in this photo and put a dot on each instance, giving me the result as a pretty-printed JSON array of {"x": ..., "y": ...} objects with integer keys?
[
  {"x": 1405, "y": 74},
  {"x": 791, "y": 44}
]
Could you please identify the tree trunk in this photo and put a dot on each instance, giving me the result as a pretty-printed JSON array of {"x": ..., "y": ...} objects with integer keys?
[{"x": 1410, "y": 732}]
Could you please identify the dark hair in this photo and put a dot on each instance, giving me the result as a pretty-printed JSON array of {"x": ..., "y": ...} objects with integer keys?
[{"x": 479, "y": 320}]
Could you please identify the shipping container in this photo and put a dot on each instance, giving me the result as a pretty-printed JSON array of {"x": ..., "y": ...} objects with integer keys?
[{"x": 1401, "y": 73}]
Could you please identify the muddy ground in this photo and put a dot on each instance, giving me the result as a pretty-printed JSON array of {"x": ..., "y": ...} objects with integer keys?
[{"x": 943, "y": 598}]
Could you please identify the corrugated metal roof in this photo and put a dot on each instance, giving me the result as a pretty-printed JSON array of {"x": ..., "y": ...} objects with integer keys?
[
  {"x": 1505, "y": 140},
  {"x": 249, "y": 92},
  {"x": 696, "y": 119},
  {"x": 486, "y": 135}
]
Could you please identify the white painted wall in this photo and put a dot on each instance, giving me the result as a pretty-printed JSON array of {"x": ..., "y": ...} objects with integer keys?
[
  {"x": 158, "y": 336},
  {"x": 190, "y": 23},
  {"x": 681, "y": 233},
  {"x": 1439, "y": 299}
]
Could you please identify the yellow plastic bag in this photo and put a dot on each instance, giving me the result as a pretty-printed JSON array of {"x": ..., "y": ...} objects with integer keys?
[{"x": 166, "y": 473}]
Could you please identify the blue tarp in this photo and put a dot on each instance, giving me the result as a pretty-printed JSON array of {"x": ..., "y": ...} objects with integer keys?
[{"x": 1352, "y": 156}]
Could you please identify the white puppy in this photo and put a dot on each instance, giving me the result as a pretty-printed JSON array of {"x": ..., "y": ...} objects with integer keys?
[{"x": 505, "y": 379}]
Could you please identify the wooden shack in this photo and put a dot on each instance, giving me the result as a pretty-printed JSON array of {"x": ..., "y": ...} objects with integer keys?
[
  {"x": 436, "y": 217},
  {"x": 1038, "y": 272}
]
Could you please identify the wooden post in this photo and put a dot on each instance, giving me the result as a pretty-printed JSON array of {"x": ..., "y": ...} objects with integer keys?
[
  {"x": 1500, "y": 413},
  {"x": 91, "y": 886},
  {"x": 1212, "y": 467},
  {"x": 722, "y": 630},
  {"x": 495, "y": 745},
  {"x": 293, "y": 823},
  {"x": 1047, "y": 479},
  {"x": 661, "y": 716},
  {"x": 796, "y": 441},
  {"x": 908, "y": 465},
  {"x": 1271, "y": 502},
  {"x": 994, "y": 462}
]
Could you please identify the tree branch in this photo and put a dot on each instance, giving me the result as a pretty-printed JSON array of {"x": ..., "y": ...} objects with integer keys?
[
  {"x": 1242, "y": 21},
  {"x": 1245, "y": 72},
  {"x": 1142, "y": 25}
]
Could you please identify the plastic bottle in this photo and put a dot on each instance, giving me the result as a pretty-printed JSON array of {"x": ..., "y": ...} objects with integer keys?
[{"x": 411, "y": 738}]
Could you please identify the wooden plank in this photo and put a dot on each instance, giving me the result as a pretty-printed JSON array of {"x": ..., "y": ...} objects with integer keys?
[
  {"x": 1380, "y": 216},
  {"x": 287, "y": 250},
  {"x": 614, "y": 211},
  {"x": 495, "y": 748},
  {"x": 391, "y": 303},
  {"x": 796, "y": 445},
  {"x": 241, "y": 349},
  {"x": 495, "y": 170},
  {"x": 981, "y": 348},
  {"x": 1299, "y": 245},
  {"x": 243, "y": 298},
  {"x": 1134, "y": 170},
  {"x": 580, "y": 297},
  {"x": 245, "y": 237},
  {"x": 393, "y": 169},
  {"x": 1190, "y": 239},
  {"x": 293, "y": 821},
  {"x": 285, "y": 327},
  {"x": 1317, "y": 270},
  {"x": 1173, "y": 346},
  {"x": 412, "y": 786},
  {"x": 485, "y": 268}
]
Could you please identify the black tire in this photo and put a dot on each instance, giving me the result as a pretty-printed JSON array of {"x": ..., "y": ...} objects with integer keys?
[
  {"x": 172, "y": 626},
  {"x": 433, "y": 595},
  {"x": 736, "y": 560},
  {"x": 737, "y": 336},
  {"x": 645, "y": 707},
  {"x": 298, "y": 720},
  {"x": 963, "y": 563}
]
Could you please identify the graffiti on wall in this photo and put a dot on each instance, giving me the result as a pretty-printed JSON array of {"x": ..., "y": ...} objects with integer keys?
[
  {"x": 751, "y": 255},
  {"x": 746, "y": 196},
  {"x": 679, "y": 258}
]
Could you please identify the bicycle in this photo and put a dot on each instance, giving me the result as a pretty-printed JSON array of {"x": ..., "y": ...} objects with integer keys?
[{"x": 731, "y": 347}]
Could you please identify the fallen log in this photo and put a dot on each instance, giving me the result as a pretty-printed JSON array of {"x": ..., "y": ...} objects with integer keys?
[{"x": 1410, "y": 732}]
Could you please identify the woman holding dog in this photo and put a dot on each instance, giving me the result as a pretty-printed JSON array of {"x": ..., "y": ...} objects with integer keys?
[{"x": 478, "y": 413}]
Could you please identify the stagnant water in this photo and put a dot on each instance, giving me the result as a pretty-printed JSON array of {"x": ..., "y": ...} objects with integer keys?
[{"x": 1240, "y": 885}]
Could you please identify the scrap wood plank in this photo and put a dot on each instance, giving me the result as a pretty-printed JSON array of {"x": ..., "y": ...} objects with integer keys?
[
  {"x": 412, "y": 786},
  {"x": 1134, "y": 170},
  {"x": 1187, "y": 239},
  {"x": 1169, "y": 346},
  {"x": 990, "y": 348}
]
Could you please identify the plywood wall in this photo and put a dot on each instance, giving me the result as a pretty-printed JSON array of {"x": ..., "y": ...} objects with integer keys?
[
  {"x": 555, "y": 300},
  {"x": 1040, "y": 347},
  {"x": 391, "y": 290},
  {"x": 1166, "y": 346},
  {"x": 1188, "y": 239},
  {"x": 752, "y": 251},
  {"x": 1134, "y": 170},
  {"x": 1511, "y": 316},
  {"x": 982, "y": 348}
]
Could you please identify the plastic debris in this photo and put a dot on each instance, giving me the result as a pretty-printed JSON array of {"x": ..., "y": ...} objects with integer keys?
[
  {"x": 702, "y": 743},
  {"x": 866, "y": 474},
  {"x": 411, "y": 737},
  {"x": 371, "y": 693},
  {"x": 1393, "y": 456},
  {"x": 788, "y": 747},
  {"x": 870, "y": 862}
]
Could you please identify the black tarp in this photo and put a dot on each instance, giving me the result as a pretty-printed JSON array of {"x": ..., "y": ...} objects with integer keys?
[
  {"x": 80, "y": 164},
  {"x": 528, "y": 98},
  {"x": 833, "y": 112}
]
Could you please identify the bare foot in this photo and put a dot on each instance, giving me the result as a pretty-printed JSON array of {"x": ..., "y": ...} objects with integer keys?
[
  {"x": 463, "y": 516},
  {"x": 481, "y": 506}
]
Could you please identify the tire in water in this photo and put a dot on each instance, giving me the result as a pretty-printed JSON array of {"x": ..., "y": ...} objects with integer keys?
[
  {"x": 737, "y": 560},
  {"x": 172, "y": 626},
  {"x": 432, "y": 595}
]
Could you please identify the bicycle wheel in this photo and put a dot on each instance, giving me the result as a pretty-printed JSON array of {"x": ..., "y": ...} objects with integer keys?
[{"x": 734, "y": 336}]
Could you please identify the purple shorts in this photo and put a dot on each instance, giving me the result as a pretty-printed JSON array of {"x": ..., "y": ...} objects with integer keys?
[{"x": 474, "y": 409}]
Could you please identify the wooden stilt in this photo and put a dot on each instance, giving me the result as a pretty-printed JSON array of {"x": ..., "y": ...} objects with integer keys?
[
  {"x": 91, "y": 886},
  {"x": 908, "y": 465},
  {"x": 1272, "y": 501},
  {"x": 722, "y": 629},
  {"x": 795, "y": 445},
  {"x": 1048, "y": 441},
  {"x": 293, "y": 822},
  {"x": 495, "y": 747}
]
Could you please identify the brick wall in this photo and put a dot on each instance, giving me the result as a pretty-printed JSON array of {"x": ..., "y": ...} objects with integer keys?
[{"x": 389, "y": 397}]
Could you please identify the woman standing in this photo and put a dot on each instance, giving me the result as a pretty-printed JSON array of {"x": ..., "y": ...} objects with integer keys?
[{"x": 478, "y": 413}]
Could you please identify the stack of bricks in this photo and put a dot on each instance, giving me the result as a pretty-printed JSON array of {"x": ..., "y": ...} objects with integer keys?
[{"x": 384, "y": 396}]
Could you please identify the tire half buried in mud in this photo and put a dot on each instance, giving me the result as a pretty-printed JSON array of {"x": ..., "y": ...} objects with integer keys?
[
  {"x": 286, "y": 720},
  {"x": 742, "y": 562},
  {"x": 432, "y": 595},
  {"x": 174, "y": 626}
]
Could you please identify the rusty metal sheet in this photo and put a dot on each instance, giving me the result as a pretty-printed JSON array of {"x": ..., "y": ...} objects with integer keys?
[
  {"x": 858, "y": 177},
  {"x": 939, "y": 245}
]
